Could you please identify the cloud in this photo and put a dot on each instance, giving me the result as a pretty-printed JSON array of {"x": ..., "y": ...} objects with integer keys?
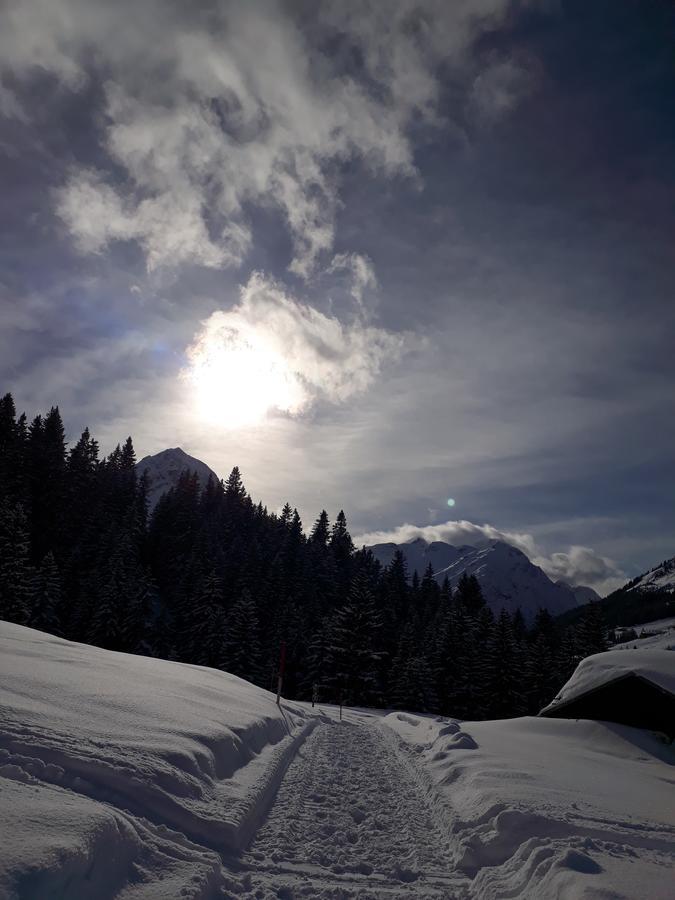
[
  {"x": 209, "y": 109},
  {"x": 582, "y": 565},
  {"x": 361, "y": 270},
  {"x": 499, "y": 88},
  {"x": 168, "y": 227},
  {"x": 10, "y": 107},
  {"x": 453, "y": 532},
  {"x": 578, "y": 566},
  {"x": 272, "y": 352}
]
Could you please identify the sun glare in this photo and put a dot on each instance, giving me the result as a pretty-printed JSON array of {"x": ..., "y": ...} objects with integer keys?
[{"x": 239, "y": 379}]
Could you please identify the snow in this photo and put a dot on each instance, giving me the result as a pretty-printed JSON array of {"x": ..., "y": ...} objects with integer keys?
[
  {"x": 653, "y": 634},
  {"x": 652, "y": 658},
  {"x": 164, "y": 470},
  {"x": 660, "y": 578},
  {"x": 139, "y": 779},
  {"x": 508, "y": 579},
  {"x": 550, "y": 808},
  {"x": 124, "y": 751},
  {"x": 350, "y": 817}
]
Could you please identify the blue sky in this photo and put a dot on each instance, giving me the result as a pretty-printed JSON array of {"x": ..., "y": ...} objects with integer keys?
[{"x": 377, "y": 255}]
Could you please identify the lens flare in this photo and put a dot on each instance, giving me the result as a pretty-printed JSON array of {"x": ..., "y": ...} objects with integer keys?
[{"x": 451, "y": 502}]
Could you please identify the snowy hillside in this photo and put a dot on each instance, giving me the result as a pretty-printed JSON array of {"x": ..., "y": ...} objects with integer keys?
[
  {"x": 660, "y": 578},
  {"x": 508, "y": 578},
  {"x": 139, "y": 767},
  {"x": 165, "y": 468},
  {"x": 138, "y": 779}
]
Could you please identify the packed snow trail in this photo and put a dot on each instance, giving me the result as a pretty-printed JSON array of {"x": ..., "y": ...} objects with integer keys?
[{"x": 349, "y": 820}]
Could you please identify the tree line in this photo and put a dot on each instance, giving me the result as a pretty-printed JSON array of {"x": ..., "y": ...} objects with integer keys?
[{"x": 215, "y": 579}]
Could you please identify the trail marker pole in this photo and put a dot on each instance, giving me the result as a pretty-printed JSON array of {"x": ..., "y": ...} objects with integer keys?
[{"x": 282, "y": 666}]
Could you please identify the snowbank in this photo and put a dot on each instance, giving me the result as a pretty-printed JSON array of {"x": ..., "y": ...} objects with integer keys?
[
  {"x": 660, "y": 633},
  {"x": 114, "y": 768},
  {"x": 652, "y": 658},
  {"x": 550, "y": 808}
]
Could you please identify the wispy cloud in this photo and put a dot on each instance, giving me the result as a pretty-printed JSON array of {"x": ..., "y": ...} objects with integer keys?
[
  {"x": 361, "y": 272},
  {"x": 209, "y": 110},
  {"x": 500, "y": 87}
]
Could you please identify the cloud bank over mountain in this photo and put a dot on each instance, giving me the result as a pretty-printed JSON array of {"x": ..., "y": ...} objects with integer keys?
[{"x": 576, "y": 566}]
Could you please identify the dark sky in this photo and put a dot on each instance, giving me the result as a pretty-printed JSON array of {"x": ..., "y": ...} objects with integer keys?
[{"x": 377, "y": 255}]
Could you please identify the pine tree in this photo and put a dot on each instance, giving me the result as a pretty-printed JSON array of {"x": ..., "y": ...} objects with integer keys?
[
  {"x": 13, "y": 438},
  {"x": 317, "y": 666},
  {"x": 209, "y": 631},
  {"x": 7, "y": 437},
  {"x": 590, "y": 631},
  {"x": 47, "y": 484},
  {"x": 542, "y": 679},
  {"x": 353, "y": 658},
  {"x": 415, "y": 687},
  {"x": 17, "y": 578},
  {"x": 242, "y": 648},
  {"x": 507, "y": 681},
  {"x": 321, "y": 530},
  {"x": 182, "y": 587},
  {"x": 396, "y": 586},
  {"x": 235, "y": 492},
  {"x": 342, "y": 548},
  {"x": 469, "y": 594},
  {"x": 567, "y": 658},
  {"x": 429, "y": 597},
  {"x": 46, "y": 612}
]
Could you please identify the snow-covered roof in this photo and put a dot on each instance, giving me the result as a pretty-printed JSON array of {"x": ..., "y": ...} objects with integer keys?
[{"x": 655, "y": 662}]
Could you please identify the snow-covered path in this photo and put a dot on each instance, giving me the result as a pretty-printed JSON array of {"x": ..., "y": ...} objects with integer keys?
[{"x": 350, "y": 820}]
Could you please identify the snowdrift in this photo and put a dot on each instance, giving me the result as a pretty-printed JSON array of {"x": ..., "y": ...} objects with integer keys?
[
  {"x": 114, "y": 767},
  {"x": 550, "y": 808}
]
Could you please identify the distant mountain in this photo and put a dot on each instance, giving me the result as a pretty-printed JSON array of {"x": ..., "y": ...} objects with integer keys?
[
  {"x": 165, "y": 468},
  {"x": 660, "y": 578},
  {"x": 582, "y": 593},
  {"x": 508, "y": 579},
  {"x": 646, "y": 598}
]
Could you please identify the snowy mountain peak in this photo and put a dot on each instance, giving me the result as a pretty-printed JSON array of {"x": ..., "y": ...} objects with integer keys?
[
  {"x": 660, "y": 578},
  {"x": 508, "y": 578},
  {"x": 165, "y": 468}
]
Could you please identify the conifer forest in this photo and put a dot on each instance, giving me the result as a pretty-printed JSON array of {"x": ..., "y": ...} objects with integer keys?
[{"x": 214, "y": 578}]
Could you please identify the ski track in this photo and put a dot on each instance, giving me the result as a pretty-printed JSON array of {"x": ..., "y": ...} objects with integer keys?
[{"x": 349, "y": 821}]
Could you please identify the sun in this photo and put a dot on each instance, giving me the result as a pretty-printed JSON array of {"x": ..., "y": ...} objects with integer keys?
[{"x": 240, "y": 377}]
